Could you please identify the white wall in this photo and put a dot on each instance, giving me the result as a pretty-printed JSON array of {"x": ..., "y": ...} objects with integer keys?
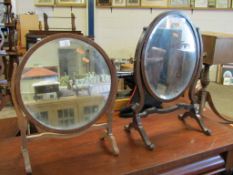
[
  {"x": 23, "y": 6},
  {"x": 118, "y": 31}
]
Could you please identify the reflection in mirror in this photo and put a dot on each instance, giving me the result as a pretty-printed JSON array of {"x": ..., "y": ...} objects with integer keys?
[
  {"x": 65, "y": 84},
  {"x": 170, "y": 57},
  {"x": 222, "y": 92}
]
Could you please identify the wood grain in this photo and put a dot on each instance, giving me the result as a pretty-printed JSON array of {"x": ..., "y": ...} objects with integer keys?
[{"x": 176, "y": 145}]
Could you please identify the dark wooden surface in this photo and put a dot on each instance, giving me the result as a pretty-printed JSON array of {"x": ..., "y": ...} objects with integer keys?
[{"x": 176, "y": 145}]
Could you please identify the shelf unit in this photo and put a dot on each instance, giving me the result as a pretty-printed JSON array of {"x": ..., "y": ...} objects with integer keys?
[
  {"x": 10, "y": 46},
  {"x": 108, "y": 4},
  {"x": 57, "y": 3}
]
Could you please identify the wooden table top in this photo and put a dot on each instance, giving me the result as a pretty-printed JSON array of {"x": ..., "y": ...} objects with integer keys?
[{"x": 176, "y": 144}]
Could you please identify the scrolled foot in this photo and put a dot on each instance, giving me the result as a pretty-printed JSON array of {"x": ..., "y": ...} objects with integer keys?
[
  {"x": 150, "y": 147},
  {"x": 181, "y": 117},
  {"x": 207, "y": 132},
  {"x": 115, "y": 149},
  {"x": 127, "y": 128}
]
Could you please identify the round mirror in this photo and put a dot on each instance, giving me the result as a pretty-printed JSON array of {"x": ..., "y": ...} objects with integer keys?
[
  {"x": 65, "y": 83},
  {"x": 170, "y": 56}
]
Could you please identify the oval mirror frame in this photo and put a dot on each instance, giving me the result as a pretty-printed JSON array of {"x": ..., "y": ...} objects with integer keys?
[
  {"x": 106, "y": 107},
  {"x": 142, "y": 52}
]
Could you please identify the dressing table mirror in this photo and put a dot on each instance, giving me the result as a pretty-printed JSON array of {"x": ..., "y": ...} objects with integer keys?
[
  {"x": 168, "y": 62},
  {"x": 218, "y": 56},
  {"x": 221, "y": 100},
  {"x": 63, "y": 86}
]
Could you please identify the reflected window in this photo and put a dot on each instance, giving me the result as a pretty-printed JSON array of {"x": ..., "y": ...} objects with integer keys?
[
  {"x": 65, "y": 117},
  {"x": 43, "y": 117},
  {"x": 90, "y": 110}
]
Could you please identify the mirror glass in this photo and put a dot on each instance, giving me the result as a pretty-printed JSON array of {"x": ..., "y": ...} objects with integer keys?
[
  {"x": 170, "y": 57},
  {"x": 222, "y": 91},
  {"x": 65, "y": 84}
]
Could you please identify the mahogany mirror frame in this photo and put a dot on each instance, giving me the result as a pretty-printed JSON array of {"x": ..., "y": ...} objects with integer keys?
[
  {"x": 193, "y": 109},
  {"x": 26, "y": 58},
  {"x": 146, "y": 39},
  {"x": 24, "y": 116}
]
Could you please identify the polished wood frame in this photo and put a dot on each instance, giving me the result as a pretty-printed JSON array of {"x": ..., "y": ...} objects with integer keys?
[
  {"x": 45, "y": 41},
  {"x": 24, "y": 117},
  {"x": 194, "y": 109}
]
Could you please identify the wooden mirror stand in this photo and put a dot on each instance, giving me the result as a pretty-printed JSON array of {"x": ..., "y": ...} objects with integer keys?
[
  {"x": 24, "y": 117},
  {"x": 195, "y": 107}
]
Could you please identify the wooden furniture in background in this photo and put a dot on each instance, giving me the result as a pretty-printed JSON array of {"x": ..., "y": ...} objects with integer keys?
[
  {"x": 180, "y": 148},
  {"x": 8, "y": 52},
  {"x": 33, "y": 36},
  {"x": 218, "y": 48},
  {"x": 46, "y": 24},
  {"x": 27, "y": 22}
]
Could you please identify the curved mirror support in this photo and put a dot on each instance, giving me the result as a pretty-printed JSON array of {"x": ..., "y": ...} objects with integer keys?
[
  {"x": 65, "y": 84},
  {"x": 169, "y": 57}
]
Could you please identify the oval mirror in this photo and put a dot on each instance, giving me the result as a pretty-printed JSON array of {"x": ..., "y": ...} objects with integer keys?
[
  {"x": 170, "y": 56},
  {"x": 222, "y": 93},
  {"x": 66, "y": 83}
]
